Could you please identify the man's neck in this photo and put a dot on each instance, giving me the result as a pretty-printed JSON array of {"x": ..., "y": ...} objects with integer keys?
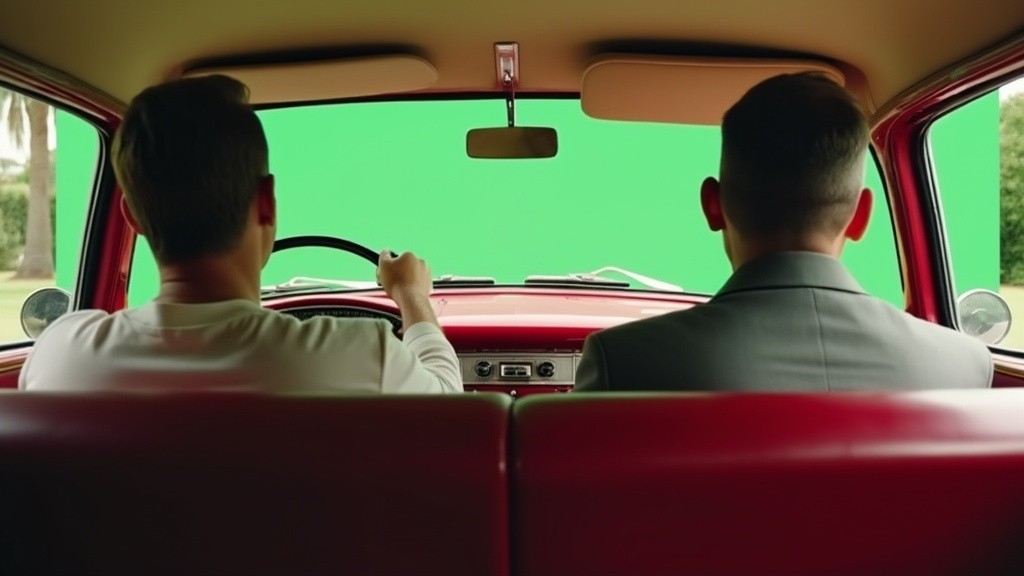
[
  {"x": 208, "y": 279},
  {"x": 747, "y": 250}
]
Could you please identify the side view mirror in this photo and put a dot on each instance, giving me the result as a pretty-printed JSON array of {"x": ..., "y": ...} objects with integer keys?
[
  {"x": 984, "y": 315},
  {"x": 43, "y": 307}
]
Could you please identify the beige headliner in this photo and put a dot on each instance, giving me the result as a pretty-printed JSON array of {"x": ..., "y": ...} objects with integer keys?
[
  {"x": 661, "y": 89},
  {"x": 121, "y": 46}
]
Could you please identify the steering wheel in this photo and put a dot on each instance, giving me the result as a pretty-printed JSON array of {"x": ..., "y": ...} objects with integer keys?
[
  {"x": 345, "y": 246},
  {"x": 327, "y": 242}
]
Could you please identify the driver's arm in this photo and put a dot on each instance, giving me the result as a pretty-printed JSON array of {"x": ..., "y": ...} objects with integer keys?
[
  {"x": 406, "y": 280},
  {"x": 425, "y": 361}
]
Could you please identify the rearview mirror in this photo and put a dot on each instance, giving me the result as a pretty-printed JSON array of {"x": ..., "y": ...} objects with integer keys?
[
  {"x": 512, "y": 142},
  {"x": 43, "y": 307}
]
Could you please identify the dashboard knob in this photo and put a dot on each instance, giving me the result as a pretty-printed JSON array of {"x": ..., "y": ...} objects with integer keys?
[
  {"x": 545, "y": 369},
  {"x": 483, "y": 368}
]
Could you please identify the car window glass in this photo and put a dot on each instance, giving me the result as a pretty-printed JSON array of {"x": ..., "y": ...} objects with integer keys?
[
  {"x": 978, "y": 160},
  {"x": 48, "y": 159},
  {"x": 396, "y": 175}
]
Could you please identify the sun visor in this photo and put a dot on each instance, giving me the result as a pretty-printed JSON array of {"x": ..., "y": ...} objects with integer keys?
[
  {"x": 681, "y": 90},
  {"x": 328, "y": 79}
]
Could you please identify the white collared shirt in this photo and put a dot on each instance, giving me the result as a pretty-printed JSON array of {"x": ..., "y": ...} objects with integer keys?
[{"x": 236, "y": 345}]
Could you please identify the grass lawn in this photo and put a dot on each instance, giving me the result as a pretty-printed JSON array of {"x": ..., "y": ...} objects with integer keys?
[
  {"x": 12, "y": 294},
  {"x": 1014, "y": 296}
]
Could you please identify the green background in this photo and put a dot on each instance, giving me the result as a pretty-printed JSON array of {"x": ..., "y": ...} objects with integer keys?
[
  {"x": 965, "y": 154},
  {"x": 77, "y": 158},
  {"x": 396, "y": 175}
]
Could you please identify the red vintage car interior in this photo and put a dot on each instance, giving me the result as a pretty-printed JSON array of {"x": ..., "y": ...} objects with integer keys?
[
  {"x": 239, "y": 484},
  {"x": 900, "y": 483}
]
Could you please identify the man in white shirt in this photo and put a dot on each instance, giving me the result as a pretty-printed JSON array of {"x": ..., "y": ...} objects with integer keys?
[{"x": 192, "y": 160}]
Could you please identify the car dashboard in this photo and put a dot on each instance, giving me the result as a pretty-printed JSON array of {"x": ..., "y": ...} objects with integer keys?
[{"x": 519, "y": 341}]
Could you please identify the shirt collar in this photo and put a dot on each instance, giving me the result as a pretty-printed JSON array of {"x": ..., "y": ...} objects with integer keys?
[
  {"x": 792, "y": 270},
  {"x": 165, "y": 315}
]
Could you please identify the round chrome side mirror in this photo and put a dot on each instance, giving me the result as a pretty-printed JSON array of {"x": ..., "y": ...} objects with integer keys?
[
  {"x": 42, "y": 307},
  {"x": 984, "y": 315}
]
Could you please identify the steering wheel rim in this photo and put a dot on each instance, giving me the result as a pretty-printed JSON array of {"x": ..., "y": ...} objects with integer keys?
[{"x": 327, "y": 242}]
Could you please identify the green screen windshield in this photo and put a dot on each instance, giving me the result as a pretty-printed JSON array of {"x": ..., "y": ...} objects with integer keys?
[{"x": 396, "y": 175}]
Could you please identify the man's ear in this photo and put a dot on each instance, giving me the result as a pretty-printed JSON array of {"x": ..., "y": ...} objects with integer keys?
[
  {"x": 861, "y": 216},
  {"x": 126, "y": 213},
  {"x": 711, "y": 204},
  {"x": 266, "y": 203}
]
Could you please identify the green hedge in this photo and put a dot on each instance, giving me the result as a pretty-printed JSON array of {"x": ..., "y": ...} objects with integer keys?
[
  {"x": 13, "y": 218},
  {"x": 1011, "y": 163}
]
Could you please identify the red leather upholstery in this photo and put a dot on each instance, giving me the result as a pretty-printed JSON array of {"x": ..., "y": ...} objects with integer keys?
[
  {"x": 238, "y": 484},
  {"x": 9, "y": 380},
  {"x": 914, "y": 483},
  {"x": 917, "y": 483},
  {"x": 10, "y": 367}
]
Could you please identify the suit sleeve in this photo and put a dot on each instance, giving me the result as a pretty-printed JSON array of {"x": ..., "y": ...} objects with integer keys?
[{"x": 592, "y": 373}]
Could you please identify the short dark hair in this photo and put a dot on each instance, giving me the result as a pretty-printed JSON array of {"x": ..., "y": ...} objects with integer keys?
[
  {"x": 189, "y": 156},
  {"x": 793, "y": 152}
]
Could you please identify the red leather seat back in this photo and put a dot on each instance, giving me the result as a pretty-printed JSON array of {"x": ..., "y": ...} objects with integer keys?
[
  {"x": 880, "y": 484},
  {"x": 240, "y": 484}
]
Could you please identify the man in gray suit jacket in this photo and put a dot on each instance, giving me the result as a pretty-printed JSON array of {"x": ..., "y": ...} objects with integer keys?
[{"x": 790, "y": 317}]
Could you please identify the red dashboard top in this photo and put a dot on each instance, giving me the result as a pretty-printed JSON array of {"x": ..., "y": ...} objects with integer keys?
[{"x": 517, "y": 317}]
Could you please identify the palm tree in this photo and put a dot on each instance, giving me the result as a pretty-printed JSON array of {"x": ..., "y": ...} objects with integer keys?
[{"x": 38, "y": 259}]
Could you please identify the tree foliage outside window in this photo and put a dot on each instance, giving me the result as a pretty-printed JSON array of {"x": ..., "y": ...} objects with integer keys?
[
  {"x": 28, "y": 115},
  {"x": 1011, "y": 189}
]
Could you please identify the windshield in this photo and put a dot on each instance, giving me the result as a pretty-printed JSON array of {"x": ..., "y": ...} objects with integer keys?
[{"x": 618, "y": 195}]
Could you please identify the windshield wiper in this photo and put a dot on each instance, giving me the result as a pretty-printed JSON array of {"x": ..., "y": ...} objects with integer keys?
[
  {"x": 300, "y": 283},
  {"x": 587, "y": 279},
  {"x": 596, "y": 279},
  {"x": 453, "y": 280}
]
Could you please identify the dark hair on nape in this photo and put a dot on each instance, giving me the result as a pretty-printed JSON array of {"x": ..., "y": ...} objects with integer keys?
[
  {"x": 189, "y": 156},
  {"x": 793, "y": 151}
]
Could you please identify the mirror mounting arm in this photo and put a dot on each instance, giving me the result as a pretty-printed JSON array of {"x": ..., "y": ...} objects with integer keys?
[
  {"x": 510, "y": 101},
  {"x": 506, "y": 59}
]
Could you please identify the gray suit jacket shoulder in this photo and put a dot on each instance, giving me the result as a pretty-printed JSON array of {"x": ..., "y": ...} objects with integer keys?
[{"x": 787, "y": 321}]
